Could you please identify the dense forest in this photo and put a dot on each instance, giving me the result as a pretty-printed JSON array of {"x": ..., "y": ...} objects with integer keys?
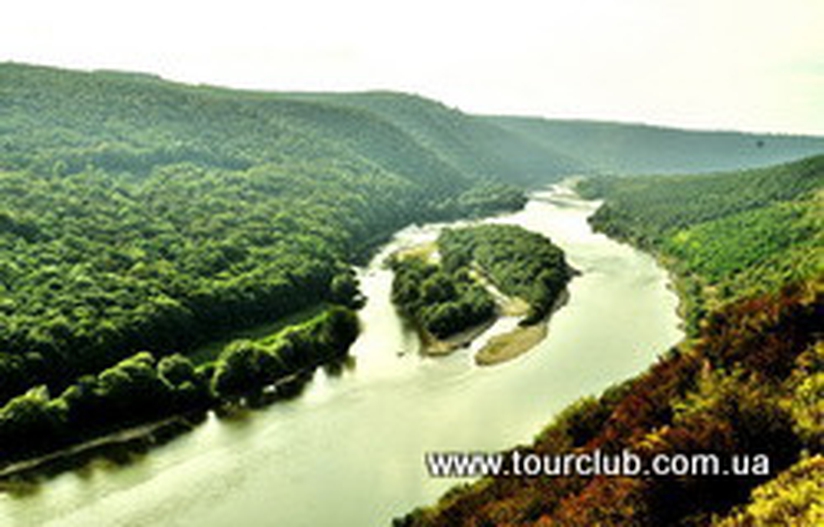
[
  {"x": 144, "y": 387},
  {"x": 519, "y": 262},
  {"x": 633, "y": 149},
  {"x": 441, "y": 301},
  {"x": 750, "y": 380},
  {"x": 448, "y": 296},
  {"x": 140, "y": 215},
  {"x": 727, "y": 236}
]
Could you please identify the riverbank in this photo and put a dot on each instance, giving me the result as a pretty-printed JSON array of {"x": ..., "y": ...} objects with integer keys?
[
  {"x": 13, "y": 474},
  {"x": 324, "y": 340},
  {"x": 434, "y": 347},
  {"x": 752, "y": 305}
]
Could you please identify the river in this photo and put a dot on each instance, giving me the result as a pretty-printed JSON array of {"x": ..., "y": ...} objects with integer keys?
[{"x": 349, "y": 450}]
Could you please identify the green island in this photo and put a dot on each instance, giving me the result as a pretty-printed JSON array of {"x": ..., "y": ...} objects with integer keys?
[
  {"x": 480, "y": 272},
  {"x": 747, "y": 252}
]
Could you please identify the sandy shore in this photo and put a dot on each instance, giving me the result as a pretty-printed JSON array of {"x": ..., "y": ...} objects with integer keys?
[
  {"x": 515, "y": 343},
  {"x": 434, "y": 347},
  {"x": 507, "y": 346}
]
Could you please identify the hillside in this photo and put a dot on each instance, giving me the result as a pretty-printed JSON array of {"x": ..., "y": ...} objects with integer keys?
[
  {"x": 727, "y": 236},
  {"x": 748, "y": 382},
  {"x": 616, "y": 148},
  {"x": 123, "y": 121},
  {"x": 141, "y": 214},
  {"x": 470, "y": 143}
]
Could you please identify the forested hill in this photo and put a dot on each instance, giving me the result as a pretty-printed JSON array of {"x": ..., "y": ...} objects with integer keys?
[
  {"x": 615, "y": 148},
  {"x": 470, "y": 143},
  {"x": 127, "y": 122},
  {"x": 124, "y": 122},
  {"x": 139, "y": 214},
  {"x": 728, "y": 235}
]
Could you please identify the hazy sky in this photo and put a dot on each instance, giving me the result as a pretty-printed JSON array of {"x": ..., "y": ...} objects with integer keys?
[{"x": 731, "y": 64}]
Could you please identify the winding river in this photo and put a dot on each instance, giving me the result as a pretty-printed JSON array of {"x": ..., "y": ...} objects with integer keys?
[{"x": 349, "y": 450}]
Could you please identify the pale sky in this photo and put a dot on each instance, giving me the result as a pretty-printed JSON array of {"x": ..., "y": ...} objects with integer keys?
[{"x": 720, "y": 64}]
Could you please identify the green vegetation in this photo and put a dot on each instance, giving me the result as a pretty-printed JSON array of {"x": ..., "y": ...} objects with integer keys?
[
  {"x": 146, "y": 215},
  {"x": 210, "y": 351},
  {"x": 749, "y": 381},
  {"x": 442, "y": 301},
  {"x": 143, "y": 215},
  {"x": 793, "y": 498},
  {"x": 247, "y": 366},
  {"x": 727, "y": 236},
  {"x": 617, "y": 148},
  {"x": 519, "y": 262},
  {"x": 641, "y": 209},
  {"x": 142, "y": 388},
  {"x": 447, "y": 298},
  {"x": 135, "y": 390}
]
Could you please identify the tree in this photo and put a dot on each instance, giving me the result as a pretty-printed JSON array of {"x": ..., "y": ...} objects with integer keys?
[{"x": 31, "y": 423}]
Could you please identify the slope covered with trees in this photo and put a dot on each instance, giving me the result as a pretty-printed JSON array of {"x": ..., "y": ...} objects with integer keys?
[
  {"x": 143, "y": 215},
  {"x": 140, "y": 214},
  {"x": 748, "y": 382},
  {"x": 727, "y": 236},
  {"x": 617, "y": 148},
  {"x": 473, "y": 144}
]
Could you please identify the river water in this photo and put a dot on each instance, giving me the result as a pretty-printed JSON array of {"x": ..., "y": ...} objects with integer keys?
[{"x": 349, "y": 450}]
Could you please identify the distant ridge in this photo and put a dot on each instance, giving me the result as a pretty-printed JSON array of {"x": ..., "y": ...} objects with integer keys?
[
  {"x": 394, "y": 128},
  {"x": 617, "y": 148}
]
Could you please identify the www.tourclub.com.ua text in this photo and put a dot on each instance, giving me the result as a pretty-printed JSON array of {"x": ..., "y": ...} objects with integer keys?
[{"x": 596, "y": 463}]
